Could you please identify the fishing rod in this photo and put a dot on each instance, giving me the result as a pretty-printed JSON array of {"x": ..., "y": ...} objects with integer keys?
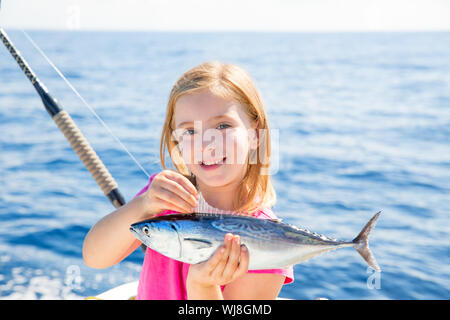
[{"x": 70, "y": 130}]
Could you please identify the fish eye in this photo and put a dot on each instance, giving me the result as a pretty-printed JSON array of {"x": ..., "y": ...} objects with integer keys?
[{"x": 145, "y": 230}]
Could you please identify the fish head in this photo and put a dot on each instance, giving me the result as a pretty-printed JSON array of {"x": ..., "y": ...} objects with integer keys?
[{"x": 159, "y": 235}]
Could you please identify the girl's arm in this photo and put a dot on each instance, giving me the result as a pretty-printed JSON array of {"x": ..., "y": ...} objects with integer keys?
[
  {"x": 110, "y": 240},
  {"x": 228, "y": 266}
]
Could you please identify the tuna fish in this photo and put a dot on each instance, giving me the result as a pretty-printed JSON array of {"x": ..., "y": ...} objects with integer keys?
[{"x": 193, "y": 238}]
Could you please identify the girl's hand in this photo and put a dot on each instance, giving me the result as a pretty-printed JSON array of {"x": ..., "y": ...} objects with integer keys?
[
  {"x": 170, "y": 190},
  {"x": 229, "y": 262}
]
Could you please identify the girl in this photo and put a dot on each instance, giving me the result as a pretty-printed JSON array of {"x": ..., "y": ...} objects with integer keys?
[{"x": 227, "y": 174}]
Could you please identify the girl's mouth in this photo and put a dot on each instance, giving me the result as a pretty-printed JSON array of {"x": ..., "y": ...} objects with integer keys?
[{"x": 213, "y": 164}]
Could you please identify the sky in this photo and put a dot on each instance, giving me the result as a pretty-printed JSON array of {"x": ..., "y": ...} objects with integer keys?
[{"x": 228, "y": 15}]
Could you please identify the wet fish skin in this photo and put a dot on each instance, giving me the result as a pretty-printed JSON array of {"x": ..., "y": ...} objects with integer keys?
[{"x": 193, "y": 238}]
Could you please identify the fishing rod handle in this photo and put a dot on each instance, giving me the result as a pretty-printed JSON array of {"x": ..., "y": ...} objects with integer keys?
[
  {"x": 70, "y": 130},
  {"x": 86, "y": 154}
]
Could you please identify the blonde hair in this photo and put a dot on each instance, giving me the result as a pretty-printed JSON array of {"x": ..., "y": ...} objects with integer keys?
[{"x": 230, "y": 82}]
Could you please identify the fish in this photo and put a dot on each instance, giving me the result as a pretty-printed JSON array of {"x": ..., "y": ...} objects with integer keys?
[{"x": 194, "y": 237}]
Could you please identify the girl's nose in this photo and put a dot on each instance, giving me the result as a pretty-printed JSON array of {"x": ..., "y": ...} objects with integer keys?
[{"x": 209, "y": 146}]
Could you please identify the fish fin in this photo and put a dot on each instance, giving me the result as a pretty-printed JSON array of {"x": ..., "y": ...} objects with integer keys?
[
  {"x": 361, "y": 243},
  {"x": 199, "y": 243}
]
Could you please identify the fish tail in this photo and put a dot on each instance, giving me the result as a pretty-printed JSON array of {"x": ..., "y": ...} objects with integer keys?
[{"x": 361, "y": 243}]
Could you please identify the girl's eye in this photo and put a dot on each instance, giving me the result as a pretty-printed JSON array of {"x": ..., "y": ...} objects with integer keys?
[
  {"x": 224, "y": 126},
  {"x": 189, "y": 132}
]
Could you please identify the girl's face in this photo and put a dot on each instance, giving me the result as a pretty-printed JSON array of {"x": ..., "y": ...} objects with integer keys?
[{"x": 214, "y": 136}]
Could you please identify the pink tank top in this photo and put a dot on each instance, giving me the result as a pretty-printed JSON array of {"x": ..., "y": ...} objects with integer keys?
[{"x": 163, "y": 278}]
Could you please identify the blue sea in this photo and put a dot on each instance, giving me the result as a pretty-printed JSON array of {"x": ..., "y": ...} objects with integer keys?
[{"x": 362, "y": 124}]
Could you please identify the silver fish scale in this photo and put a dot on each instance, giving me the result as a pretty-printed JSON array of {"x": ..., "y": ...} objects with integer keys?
[
  {"x": 261, "y": 230},
  {"x": 243, "y": 226}
]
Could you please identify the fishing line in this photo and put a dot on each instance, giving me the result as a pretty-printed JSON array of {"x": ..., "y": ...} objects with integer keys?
[{"x": 91, "y": 109}]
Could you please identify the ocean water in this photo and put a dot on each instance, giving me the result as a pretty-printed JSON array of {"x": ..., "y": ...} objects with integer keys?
[{"x": 362, "y": 121}]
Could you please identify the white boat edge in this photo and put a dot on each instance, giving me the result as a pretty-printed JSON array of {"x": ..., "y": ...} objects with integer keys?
[{"x": 126, "y": 291}]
